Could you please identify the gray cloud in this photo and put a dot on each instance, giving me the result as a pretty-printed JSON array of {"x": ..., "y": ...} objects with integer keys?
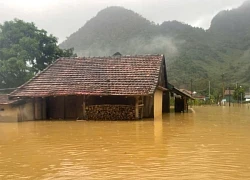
[{"x": 63, "y": 17}]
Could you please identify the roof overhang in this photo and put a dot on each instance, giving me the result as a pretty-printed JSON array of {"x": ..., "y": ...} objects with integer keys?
[
  {"x": 179, "y": 92},
  {"x": 162, "y": 88},
  {"x": 5, "y": 100}
]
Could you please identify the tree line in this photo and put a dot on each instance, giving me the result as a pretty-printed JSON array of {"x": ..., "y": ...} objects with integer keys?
[{"x": 26, "y": 50}]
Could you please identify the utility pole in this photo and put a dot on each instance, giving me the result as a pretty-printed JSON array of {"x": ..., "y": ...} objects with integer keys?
[
  {"x": 209, "y": 90},
  {"x": 237, "y": 93},
  {"x": 240, "y": 95},
  {"x": 223, "y": 89},
  {"x": 191, "y": 91},
  {"x": 191, "y": 87}
]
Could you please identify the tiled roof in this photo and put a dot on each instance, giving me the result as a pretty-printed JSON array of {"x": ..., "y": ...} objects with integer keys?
[
  {"x": 125, "y": 75},
  {"x": 186, "y": 91},
  {"x": 4, "y": 99}
]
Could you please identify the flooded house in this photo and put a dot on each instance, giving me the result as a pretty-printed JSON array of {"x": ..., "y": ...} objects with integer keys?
[
  {"x": 229, "y": 96},
  {"x": 181, "y": 97},
  {"x": 99, "y": 88}
]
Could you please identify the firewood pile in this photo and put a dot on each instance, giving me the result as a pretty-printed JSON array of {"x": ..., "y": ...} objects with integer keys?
[{"x": 110, "y": 112}]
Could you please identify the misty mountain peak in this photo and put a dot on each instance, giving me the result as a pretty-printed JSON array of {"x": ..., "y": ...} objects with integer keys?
[
  {"x": 112, "y": 10},
  {"x": 118, "y": 13},
  {"x": 111, "y": 26}
]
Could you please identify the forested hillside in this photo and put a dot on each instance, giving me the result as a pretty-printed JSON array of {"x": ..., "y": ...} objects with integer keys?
[{"x": 221, "y": 53}]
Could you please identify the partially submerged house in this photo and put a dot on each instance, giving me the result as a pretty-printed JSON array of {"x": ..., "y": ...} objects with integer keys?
[
  {"x": 229, "y": 95},
  {"x": 181, "y": 98},
  {"x": 99, "y": 88}
]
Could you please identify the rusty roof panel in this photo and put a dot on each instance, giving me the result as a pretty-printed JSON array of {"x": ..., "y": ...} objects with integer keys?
[{"x": 125, "y": 75}]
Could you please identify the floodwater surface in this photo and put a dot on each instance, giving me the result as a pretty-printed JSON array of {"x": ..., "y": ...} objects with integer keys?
[{"x": 210, "y": 143}]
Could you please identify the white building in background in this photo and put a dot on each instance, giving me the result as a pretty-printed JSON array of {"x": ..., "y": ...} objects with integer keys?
[{"x": 247, "y": 97}]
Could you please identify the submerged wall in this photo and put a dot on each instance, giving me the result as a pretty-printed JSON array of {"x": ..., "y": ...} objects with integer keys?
[
  {"x": 26, "y": 111},
  {"x": 8, "y": 113},
  {"x": 63, "y": 107},
  {"x": 15, "y": 113}
]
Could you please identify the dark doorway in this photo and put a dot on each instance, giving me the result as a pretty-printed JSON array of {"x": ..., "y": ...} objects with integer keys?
[{"x": 179, "y": 104}]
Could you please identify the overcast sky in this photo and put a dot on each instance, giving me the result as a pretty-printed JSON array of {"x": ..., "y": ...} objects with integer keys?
[{"x": 63, "y": 17}]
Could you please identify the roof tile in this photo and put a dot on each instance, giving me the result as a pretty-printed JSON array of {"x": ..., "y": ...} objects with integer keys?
[
  {"x": 125, "y": 75},
  {"x": 4, "y": 99}
]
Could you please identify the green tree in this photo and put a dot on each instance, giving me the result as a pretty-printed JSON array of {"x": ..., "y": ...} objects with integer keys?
[
  {"x": 24, "y": 51},
  {"x": 239, "y": 94}
]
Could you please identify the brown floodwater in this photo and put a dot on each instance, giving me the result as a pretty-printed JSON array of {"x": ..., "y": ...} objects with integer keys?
[{"x": 210, "y": 143}]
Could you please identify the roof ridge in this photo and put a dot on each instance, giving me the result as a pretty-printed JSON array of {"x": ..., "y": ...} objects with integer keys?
[{"x": 112, "y": 57}]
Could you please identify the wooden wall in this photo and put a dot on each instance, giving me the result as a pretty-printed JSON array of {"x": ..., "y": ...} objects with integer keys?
[
  {"x": 55, "y": 107},
  {"x": 64, "y": 107},
  {"x": 166, "y": 102},
  {"x": 179, "y": 104},
  {"x": 148, "y": 108},
  {"x": 85, "y": 107}
]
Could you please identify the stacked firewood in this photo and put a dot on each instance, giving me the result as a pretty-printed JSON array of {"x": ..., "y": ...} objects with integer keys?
[{"x": 110, "y": 112}]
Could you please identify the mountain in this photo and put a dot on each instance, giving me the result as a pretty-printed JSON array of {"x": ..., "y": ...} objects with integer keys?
[
  {"x": 233, "y": 26},
  {"x": 110, "y": 31},
  {"x": 231, "y": 33},
  {"x": 191, "y": 53}
]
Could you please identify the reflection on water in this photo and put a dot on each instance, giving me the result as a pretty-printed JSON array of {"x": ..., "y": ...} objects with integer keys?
[{"x": 211, "y": 143}]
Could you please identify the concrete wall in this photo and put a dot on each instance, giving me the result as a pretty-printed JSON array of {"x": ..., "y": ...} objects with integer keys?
[
  {"x": 158, "y": 103},
  {"x": 8, "y": 113}
]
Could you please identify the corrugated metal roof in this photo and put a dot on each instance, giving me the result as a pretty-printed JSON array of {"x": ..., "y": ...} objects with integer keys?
[{"x": 125, "y": 75}]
